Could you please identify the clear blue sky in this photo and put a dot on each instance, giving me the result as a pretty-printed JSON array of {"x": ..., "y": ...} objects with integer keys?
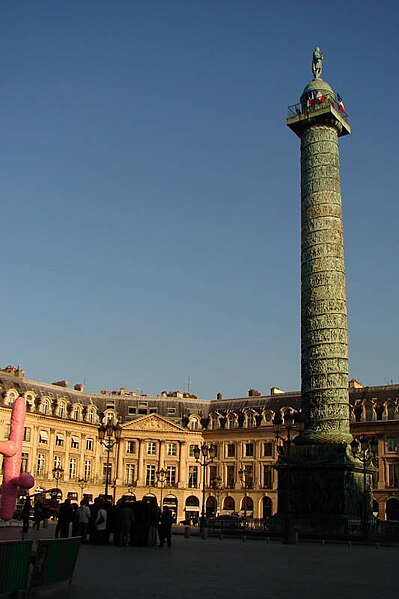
[{"x": 150, "y": 189}]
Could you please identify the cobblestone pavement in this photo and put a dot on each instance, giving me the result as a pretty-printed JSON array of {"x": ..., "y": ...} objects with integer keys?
[{"x": 225, "y": 569}]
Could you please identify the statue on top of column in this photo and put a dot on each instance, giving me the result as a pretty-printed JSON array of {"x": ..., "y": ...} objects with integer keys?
[{"x": 317, "y": 63}]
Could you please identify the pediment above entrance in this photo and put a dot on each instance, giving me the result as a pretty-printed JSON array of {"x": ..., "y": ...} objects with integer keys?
[{"x": 153, "y": 422}]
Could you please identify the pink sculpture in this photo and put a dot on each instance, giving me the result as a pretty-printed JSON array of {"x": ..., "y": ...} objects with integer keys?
[{"x": 11, "y": 450}]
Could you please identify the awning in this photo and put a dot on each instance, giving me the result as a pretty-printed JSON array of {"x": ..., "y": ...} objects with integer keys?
[
  {"x": 43, "y": 436},
  {"x": 59, "y": 436},
  {"x": 75, "y": 439}
]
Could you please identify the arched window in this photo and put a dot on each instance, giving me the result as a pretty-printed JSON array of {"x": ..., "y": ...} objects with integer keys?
[
  {"x": 211, "y": 506},
  {"x": 229, "y": 504},
  {"x": 213, "y": 422},
  {"x": 231, "y": 421},
  {"x": 391, "y": 412},
  {"x": 194, "y": 423},
  {"x": 267, "y": 507},
  {"x": 46, "y": 408},
  {"x": 392, "y": 509},
  {"x": 369, "y": 413},
  {"x": 247, "y": 505},
  {"x": 11, "y": 397},
  {"x": 250, "y": 421}
]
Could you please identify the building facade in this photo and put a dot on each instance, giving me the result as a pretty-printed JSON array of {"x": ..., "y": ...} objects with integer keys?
[{"x": 156, "y": 452}]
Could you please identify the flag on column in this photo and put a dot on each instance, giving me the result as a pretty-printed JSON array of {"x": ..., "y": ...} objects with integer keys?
[{"x": 341, "y": 106}]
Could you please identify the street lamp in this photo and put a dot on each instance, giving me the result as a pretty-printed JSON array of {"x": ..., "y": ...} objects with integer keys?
[
  {"x": 58, "y": 473},
  {"x": 245, "y": 474},
  {"x": 365, "y": 449},
  {"x": 204, "y": 455},
  {"x": 216, "y": 486},
  {"x": 82, "y": 482},
  {"x": 109, "y": 434},
  {"x": 161, "y": 478}
]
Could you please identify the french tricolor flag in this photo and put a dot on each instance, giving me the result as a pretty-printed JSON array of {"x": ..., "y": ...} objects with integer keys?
[{"x": 341, "y": 106}]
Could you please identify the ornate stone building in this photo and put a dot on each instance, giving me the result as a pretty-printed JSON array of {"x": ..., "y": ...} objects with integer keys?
[{"x": 161, "y": 433}]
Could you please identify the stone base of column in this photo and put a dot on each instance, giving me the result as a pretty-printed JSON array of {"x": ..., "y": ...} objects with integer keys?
[{"x": 321, "y": 491}]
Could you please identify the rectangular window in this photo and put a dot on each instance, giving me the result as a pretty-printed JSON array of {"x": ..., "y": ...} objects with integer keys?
[
  {"x": 193, "y": 477},
  {"x": 43, "y": 437},
  {"x": 392, "y": 443},
  {"x": 213, "y": 472},
  {"x": 230, "y": 477},
  {"x": 6, "y": 430},
  {"x": 24, "y": 461},
  {"x": 153, "y": 410},
  {"x": 105, "y": 473},
  {"x": 27, "y": 432},
  {"x": 72, "y": 468},
  {"x": 150, "y": 475},
  {"x": 249, "y": 450},
  {"x": 171, "y": 411},
  {"x": 151, "y": 448},
  {"x": 89, "y": 444},
  {"x": 40, "y": 464},
  {"x": 59, "y": 440},
  {"x": 57, "y": 462},
  {"x": 87, "y": 470},
  {"x": 129, "y": 474},
  {"x": 230, "y": 450},
  {"x": 171, "y": 449},
  {"x": 110, "y": 405},
  {"x": 393, "y": 475},
  {"x": 61, "y": 410},
  {"x": 131, "y": 411},
  {"x": 170, "y": 475},
  {"x": 191, "y": 450},
  {"x": 130, "y": 447},
  {"x": 75, "y": 442},
  {"x": 143, "y": 407},
  {"x": 267, "y": 477},
  {"x": 268, "y": 449}
]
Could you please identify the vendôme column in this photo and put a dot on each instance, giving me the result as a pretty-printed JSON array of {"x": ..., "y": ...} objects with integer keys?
[{"x": 319, "y": 481}]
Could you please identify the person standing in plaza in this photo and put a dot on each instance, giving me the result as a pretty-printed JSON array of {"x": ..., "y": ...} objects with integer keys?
[
  {"x": 38, "y": 512},
  {"x": 165, "y": 527},
  {"x": 84, "y": 514},
  {"x": 123, "y": 523},
  {"x": 65, "y": 516},
  {"x": 26, "y": 514},
  {"x": 100, "y": 524}
]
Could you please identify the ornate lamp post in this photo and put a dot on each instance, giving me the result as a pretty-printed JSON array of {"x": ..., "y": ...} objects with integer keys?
[
  {"x": 82, "y": 482},
  {"x": 204, "y": 455},
  {"x": 216, "y": 486},
  {"x": 365, "y": 449},
  {"x": 58, "y": 473},
  {"x": 245, "y": 474},
  {"x": 109, "y": 434},
  {"x": 161, "y": 478}
]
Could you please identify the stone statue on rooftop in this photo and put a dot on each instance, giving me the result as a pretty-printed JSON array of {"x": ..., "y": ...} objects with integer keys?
[{"x": 317, "y": 63}]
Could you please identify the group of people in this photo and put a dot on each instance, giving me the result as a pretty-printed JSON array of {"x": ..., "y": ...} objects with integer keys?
[{"x": 129, "y": 522}]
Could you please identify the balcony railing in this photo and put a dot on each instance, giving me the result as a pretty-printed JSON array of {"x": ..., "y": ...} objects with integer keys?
[{"x": 313, "y": 105}]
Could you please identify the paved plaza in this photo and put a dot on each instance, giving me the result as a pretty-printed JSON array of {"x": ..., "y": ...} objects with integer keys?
[{"x": 197, "y": 568}]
